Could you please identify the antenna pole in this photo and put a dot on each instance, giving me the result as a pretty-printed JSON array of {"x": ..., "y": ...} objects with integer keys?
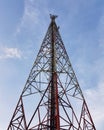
[{"x": 55, "y": 122}]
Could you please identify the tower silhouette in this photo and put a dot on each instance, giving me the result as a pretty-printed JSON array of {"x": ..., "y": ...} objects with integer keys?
[{"x": 52, "y": 98}]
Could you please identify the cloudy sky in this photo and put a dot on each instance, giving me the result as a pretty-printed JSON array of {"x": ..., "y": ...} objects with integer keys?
[{"x": 23, "y": 24}]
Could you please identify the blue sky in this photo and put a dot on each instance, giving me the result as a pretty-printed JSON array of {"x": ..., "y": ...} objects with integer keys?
[{"x": 23, "y": 24}]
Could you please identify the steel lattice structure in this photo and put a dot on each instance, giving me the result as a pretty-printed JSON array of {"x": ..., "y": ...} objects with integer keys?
[{"x": 52, "y": 98}]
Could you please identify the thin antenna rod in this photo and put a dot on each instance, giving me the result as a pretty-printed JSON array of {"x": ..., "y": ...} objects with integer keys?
[{"x": 53, "y": 17}]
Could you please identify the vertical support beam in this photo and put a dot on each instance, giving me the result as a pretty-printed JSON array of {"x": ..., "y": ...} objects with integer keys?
[{"x": 54, "y": 122}]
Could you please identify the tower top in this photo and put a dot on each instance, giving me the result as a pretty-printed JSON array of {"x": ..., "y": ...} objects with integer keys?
[{"x": 53, "y": 17}]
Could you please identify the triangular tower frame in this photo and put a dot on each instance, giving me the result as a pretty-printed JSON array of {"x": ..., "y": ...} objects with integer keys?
[{"x": 52, "y": 98}]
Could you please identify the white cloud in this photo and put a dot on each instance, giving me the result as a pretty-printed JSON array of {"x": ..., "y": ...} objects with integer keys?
[
  {"x": 95, "y": 97},
  {"x": 91, "y": 75},
  {"x": 100, "y": 33},
  {"x": 30, "y": 16},
  {"x": 6, "y": 52}
]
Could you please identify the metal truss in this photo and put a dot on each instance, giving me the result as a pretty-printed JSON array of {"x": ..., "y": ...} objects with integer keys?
[{"x": 52, "y": 98}]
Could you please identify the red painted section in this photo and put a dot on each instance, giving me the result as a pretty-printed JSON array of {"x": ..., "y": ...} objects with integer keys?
[{"x": 57, "y": 119}]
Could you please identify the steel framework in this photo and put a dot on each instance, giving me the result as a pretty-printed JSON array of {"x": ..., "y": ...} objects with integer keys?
[{"x": 52, "y": 98}]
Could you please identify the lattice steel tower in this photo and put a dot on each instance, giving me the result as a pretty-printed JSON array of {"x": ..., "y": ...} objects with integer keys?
[{"x": 52, "y": 98}]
